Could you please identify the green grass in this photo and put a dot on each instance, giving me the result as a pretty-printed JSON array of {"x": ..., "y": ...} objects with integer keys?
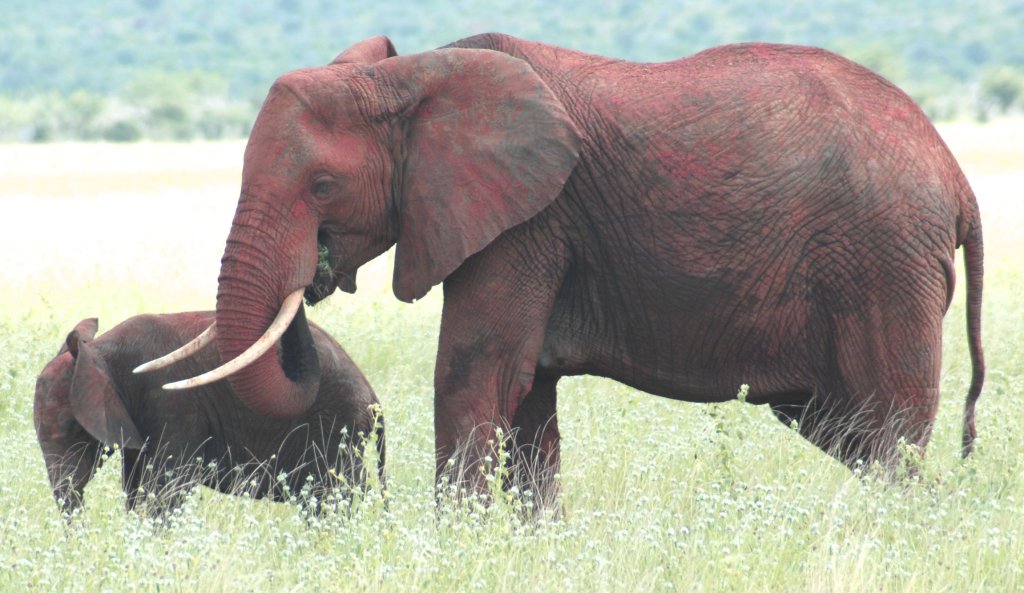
[{"x": 659, "y": 495}]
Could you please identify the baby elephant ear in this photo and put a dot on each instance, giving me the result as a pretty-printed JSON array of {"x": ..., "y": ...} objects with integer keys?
[
  {"x": 83, "y": 332},
  {"x": 367, "y": 51},
  {"x": 488, "y": 146},
  {"x": 96, "y": 405}
]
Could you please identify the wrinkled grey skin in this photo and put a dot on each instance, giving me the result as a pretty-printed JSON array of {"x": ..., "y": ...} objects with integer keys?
[
  {"x": 759, "y": 214},
  {"x": 87, "y": 399}
]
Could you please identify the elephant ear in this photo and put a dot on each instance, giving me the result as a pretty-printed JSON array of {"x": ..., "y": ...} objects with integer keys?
[
  {"x": 85, "y": 331},
  {"x": 95, "y": 402},
  {"x": 367, "y": 51},
  {"x": 487, "y": 146}
]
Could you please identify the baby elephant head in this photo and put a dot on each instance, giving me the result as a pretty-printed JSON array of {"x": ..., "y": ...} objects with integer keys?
[{"x": 77, "y": 411}]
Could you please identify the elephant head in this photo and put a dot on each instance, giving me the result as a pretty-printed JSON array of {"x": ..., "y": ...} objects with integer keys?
[
  {"x": 437, "y": 153},
  {"x": 76, "y": 411}
]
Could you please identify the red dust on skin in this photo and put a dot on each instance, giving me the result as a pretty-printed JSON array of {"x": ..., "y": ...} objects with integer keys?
[
  {"x": 762, "y": 214},
  {"x": 88, "y": 398}
]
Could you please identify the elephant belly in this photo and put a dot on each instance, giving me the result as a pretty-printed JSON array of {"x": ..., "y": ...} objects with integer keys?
[{"x": 688, "y": 339}]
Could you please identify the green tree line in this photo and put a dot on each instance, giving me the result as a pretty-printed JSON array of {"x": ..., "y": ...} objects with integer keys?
[{"x": 182, "y": 69}]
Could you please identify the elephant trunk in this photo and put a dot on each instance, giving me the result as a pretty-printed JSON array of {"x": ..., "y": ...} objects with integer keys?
[{"x": 263, "y": 262}]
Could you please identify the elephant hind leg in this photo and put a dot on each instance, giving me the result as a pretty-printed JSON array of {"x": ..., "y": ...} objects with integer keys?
[
  {"x": 880, "y": 369},
  {"x": 856, "y": 432}
]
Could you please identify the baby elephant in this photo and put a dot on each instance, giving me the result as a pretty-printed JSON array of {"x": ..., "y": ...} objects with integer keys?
[{"x": 87, "y": 399}]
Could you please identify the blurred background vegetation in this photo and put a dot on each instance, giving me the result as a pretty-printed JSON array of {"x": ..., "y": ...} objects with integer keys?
[{"x": 123, "y": 70}]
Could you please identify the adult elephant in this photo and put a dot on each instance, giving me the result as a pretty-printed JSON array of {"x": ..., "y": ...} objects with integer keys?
[{"x": 762, "y": 214}]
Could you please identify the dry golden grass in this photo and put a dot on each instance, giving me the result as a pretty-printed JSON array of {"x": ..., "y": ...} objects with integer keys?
[
  {"x": 992, "y": 156},
  {"x": 87, "y": 225},
  {"x": 88, "y": 228},
  {"x": 75, "y": 169},
  {"x": 993, "y": 148}
]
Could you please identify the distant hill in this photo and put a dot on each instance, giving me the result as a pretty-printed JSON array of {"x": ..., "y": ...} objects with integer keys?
[{"x": 187, "y": 60}]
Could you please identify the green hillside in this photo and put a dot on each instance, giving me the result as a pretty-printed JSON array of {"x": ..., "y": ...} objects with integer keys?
[{"x": 124, "y": 69}]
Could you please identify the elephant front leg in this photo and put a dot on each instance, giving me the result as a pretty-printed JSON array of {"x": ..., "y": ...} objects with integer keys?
[
  {"x": 480, "y": 450},
  {"x": 474, "y": 427},
  {"x": 155, "y": 485},
  {"x": 489, "y": 413},
  {"x": 69, "y": 472},
  {"x": 133, "y": 465}
]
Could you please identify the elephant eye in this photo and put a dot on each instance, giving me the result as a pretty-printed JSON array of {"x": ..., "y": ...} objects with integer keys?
[{"x": 322, "y": 188}]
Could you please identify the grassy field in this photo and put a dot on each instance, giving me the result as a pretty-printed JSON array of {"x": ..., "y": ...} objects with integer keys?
[{"x": 659, "y": 495}]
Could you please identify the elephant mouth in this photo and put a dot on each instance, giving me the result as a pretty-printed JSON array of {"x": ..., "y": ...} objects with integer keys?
[{"x": 327, "y": 278}]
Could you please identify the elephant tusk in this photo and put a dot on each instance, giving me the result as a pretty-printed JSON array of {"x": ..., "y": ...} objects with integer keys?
[
  {"x": 198, "y": 343},
  {"x": 289, "y": 307}
]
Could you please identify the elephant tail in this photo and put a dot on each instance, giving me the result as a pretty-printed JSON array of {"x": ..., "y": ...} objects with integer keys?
[{"x": 974, "y": 270}]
